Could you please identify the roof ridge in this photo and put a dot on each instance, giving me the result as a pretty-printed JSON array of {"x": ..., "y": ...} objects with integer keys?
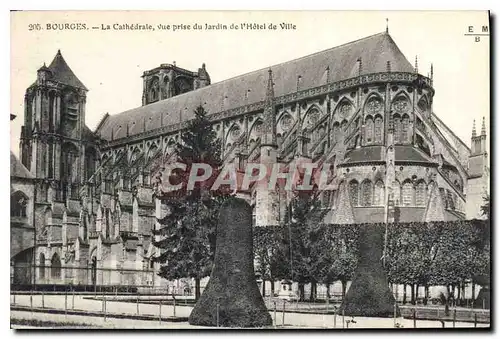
[
  {"x": 270, "y": 67},
  {"x": 61, "y": 72}
]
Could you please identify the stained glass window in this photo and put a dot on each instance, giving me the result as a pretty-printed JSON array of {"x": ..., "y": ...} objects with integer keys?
[
  {"x": 369, "y": 130},
  {"x": 407, "y": 194},
  {"x": 396, "y": 191},
  {"x": 379, "y": 195},
  {"x": 420, "y": 194},
  {"x": 353, "y": 192},
  {"x": 367, "y": 193},
  {"x": 379, "y": 126},
  {"x": 405, "y": 133}
]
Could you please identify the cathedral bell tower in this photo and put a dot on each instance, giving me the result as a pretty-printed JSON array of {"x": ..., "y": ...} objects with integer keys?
[
  {"x": 168, "y": 80},
  {"x": 54, "y": 120},
  {"x": 478, "y": 181}
]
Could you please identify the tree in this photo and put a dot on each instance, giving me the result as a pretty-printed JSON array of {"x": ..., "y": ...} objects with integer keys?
[
  {"x": 338, "y": 258},
  {"x": 187, "y": 233},
  {"x": 485, "y": 208},
  {"x": 303, "y": 223}
]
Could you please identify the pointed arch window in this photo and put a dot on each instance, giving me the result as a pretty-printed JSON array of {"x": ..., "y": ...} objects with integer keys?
[
  {"x": 407, "y": 194},
  {"x": 369, "y": 130},
  {"x": 42, "y": 266},
  {"x": 154, "y": 90},
  {"x": 379, "y": 194},
  {"x": 367, "y": 193},
  {"x": 420, "y": 194},
  {"x": 397, "y": 129},
  {"x": 18, "y": 204},
  {"x": 396, "y": 191},
  {"x": 379, "y": 127},
  {"x": 353, "y": 192},
  {"x": 55, "y": 267},
  {"x": 405, "y": 129}
]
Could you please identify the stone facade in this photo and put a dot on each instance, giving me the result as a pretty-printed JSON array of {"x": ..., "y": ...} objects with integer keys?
[{"x": 367, "y": 114}]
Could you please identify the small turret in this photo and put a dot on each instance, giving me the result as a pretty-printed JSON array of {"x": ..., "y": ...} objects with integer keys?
[{"x": 43, "y": 73}]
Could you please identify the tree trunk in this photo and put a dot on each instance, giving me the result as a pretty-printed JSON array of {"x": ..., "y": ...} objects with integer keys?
[
  {"x": 473, "y": 291},
  {"x": 312, "y": 295},
  {"x": 404, "y": 294},
  {"x": 263, "y": 288},
  {"x": 328, "y": 291},
  {"x": 412, "y": 286},
  {"x": 301, "y": 292},
  {"x": 459, "y": 296},
  {"x": 344, "y": 288},
  {"x": 416, "y": 292},
  {"x": 463, "y": 293},
  {"x": 272, "y": 287},
  {"x": 426, "y": 293},
  {"x": 197, "y": 289}
]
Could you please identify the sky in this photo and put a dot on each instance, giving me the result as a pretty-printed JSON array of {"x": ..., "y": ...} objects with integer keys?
[{"x": 110, "y": 62}]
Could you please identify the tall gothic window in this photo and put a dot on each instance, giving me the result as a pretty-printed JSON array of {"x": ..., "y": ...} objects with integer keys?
[
  {"x": 154, "y": 90},
  {"x": 451, "y": 199},
  {"x": 50, "y": 174},
  {"x": 379, "y": 127},
  {"x": 367, "y": 193},
  {"x": 18, "y": 204},
  {"x": 42, "y": 266},
  {"x": 379, "y": 194},
  {"x": 397, "y": 129},
  {"x": 353, "y": 192},
  {"x": 407, "y": 193},
  {"x": 51, "y": 111},
  {"x": 369, "y": 126},
  {"x": 405, "y": 129},
  {"x": 55, "y": 267},
  {"x": 396, "y": 191},
  {"x": 420, "y": 194}
]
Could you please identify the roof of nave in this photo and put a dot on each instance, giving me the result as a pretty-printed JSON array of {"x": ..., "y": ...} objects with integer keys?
[
  {"x": 17, "y": 169},
  {"x": 62, "y": 73},
  {"x": 402, "y": 153},
  {"x": 374, "y": 51}
]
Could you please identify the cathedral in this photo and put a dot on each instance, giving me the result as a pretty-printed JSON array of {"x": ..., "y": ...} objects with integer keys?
[{"x": 83, "y": 205}]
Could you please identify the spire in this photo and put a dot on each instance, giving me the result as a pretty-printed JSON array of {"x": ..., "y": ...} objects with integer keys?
[
  {"x": 62, "y": 73},
  {"x": 416, "y": 63},
  {"x": 269, "y": 116},
  {"x": 483, "y": 127},
  {"x": 432, "y": 71},
  {"x": 474, "y": 128},
  {"x": 270, "y": 86},
  {"x": 387, "y": 25}
]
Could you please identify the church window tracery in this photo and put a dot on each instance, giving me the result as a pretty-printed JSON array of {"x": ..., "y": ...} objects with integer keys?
[
  {"x": 353, "y": 192},
  {"x": 407, "y": 193},
  {"x": 379, "y": 127},
  {"x": 379, "y": 194},
  {"x": 367, "y": 193},
  {"x": 369, "y": 130},
  {"x": 420, "y": 195},
  {"x": 18, "y": 204}
]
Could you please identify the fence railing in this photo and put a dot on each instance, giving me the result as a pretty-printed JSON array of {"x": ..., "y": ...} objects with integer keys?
[{"x": 56, "y": 274}]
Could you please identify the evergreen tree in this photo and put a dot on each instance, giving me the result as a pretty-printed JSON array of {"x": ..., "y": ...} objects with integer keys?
[
  {"x": 303, "y": 227},
  {"x": 187, "y": 235}
]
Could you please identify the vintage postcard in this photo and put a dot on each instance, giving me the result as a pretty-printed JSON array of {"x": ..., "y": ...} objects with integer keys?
[{"x": 250, "y": 169}]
